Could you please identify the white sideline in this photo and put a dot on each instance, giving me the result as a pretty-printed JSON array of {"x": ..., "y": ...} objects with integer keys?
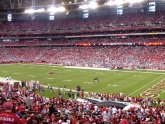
[
  {"x": 8, "y": 80},
  {"x": 107, "y": 69},
  {"x": 152, "y": 71}
]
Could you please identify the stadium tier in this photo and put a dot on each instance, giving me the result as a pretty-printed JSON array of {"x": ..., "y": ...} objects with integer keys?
[
  {"x": 133, "y": 57},
  {"x": 128, "y": 22},
  {"x": 88, "y": 42}
]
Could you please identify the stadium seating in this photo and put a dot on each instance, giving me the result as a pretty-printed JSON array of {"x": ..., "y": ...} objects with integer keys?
[
  {"x": 150, "y": 57},
  {"x": 31, "y": 107},
  {"x": 135, "y": 22}
]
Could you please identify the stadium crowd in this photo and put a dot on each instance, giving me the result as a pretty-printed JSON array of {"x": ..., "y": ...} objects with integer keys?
[
  {"x": 134, "y": 22},
  {"x": 24, "y": 106},
  {"x": 144, "y": 57}
]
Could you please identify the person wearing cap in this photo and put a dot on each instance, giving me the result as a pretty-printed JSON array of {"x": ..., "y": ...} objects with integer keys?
[{"x": 8, "y": 117}]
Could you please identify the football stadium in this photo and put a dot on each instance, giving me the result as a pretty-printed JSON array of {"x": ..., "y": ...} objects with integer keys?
[{"x": 82, "y": 61}]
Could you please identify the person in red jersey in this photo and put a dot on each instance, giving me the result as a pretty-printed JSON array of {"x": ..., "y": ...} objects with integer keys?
[{"x": 8, "y": 117}]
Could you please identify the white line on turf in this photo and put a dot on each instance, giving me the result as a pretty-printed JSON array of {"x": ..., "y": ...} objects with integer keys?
[
  {"x": 103, "y": 69},
  {"x": 154, "y": 86},
  {"x": 7, "y": 64},
  {"x": 145, "y": 85},
  {"x": 32, "y": 75},
  {"x": 67, "y": 80},
  {"x": 88, "y": 82},
  {"x": 113, "y": 85},
  {"x": 42, "y": 65},
  {"x": 31, "y": 67},
  {"x": 4, "y": 71},
  {"x": 17, "y": 73}
]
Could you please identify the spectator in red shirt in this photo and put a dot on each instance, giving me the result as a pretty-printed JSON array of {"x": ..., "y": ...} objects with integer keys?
[
  {"x": 8, "y": 117},
  {"x": 124, "y": 120}
]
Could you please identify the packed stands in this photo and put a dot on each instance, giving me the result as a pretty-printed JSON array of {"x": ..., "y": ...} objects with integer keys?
[
  {"x": 32, "y": 108},
  {"x": 145, "y": 57},
  {"x": 134, "y": 22}
]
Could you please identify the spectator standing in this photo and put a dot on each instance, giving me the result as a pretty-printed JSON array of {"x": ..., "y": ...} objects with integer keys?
[{"x": 8, "y": 117}]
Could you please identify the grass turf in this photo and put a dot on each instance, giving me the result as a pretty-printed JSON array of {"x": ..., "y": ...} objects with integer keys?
[{"x": 130, "y": 83}]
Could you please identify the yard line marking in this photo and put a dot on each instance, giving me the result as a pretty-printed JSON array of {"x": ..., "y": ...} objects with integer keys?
[
  {"x": 31, "y": 67},
  {"x": 155, "y": 90},
  {"x": 4, "y": 71},
  {"x": 67, "y": 80},
  {"x": 17, "y": 73},
  {"x": 32, "y": 75},
  {"x": 145, "y": 85},
  {"x": 54, "y": 65},
  {"x": 113, "y": 85},
  {"x": 88, "y": 82}
]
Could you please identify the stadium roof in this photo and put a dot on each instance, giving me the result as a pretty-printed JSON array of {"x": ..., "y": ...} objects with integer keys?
[
  {"x": 72, "y": 8},
  {"x": 70, "y": 4}
]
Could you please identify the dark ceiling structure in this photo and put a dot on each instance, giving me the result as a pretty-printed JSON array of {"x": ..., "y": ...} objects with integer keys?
[
  {"x": 18, "y": 4},
  {"x": 18, "y": 7},
  {"x": 21, "y": 5}
]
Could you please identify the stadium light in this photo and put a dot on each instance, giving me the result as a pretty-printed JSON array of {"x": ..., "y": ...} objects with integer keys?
[
  {"x": 121, "y": 2},
  {"x": 56, "y": 9},
  {"x": 52, "y": 10},
  {"x": 83, "y": 6},
  {"x": 115, "y": 2},
  {"x": 86, "y": 10},
  {"x": 91, "y": 5},
  {"x": 39, "y": 10},
  {"x": 61, "y": 9},
  {"x": 31, "y": 11},
  {"x": 133, "y": 1},
  {"x": 139, "y": 1}
]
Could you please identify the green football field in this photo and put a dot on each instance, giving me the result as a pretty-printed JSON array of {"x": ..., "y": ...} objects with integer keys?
[{"x": 131, "y": 83}]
